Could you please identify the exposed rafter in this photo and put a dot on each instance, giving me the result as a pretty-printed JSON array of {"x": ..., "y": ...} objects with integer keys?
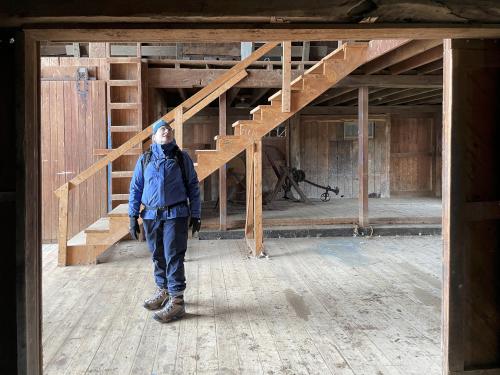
[
  {"x": 426, "y": 57},
  {"x": 417, "y": 96},
  {"x": 404, "y": 52}
]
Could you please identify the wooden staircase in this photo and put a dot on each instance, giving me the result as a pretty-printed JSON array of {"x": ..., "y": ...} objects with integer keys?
[
  {"x": 90, "y": 243},
  {"x": 86, "y": 246},
  {"x": 304, "y": 89}
]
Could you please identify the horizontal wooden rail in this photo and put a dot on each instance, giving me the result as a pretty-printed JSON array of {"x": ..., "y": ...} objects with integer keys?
[{"x": 169, "y": 117}]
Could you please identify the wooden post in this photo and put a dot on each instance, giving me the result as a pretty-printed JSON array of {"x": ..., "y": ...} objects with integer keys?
[
  {"x": 294, "y": 137},
  {"x": 249, "y": 222},
  {"x": 363, "y": 155},
  {"x": 257, "y": 190},
  {"x": 179, "y": 114},
  {"x": 63, "y": 224},
  {"x": 386, "y": 186},
  {"x": 222, "y": 170},
  {"x": 287, "y": 76},
  {"x": 306, "y": 47}
]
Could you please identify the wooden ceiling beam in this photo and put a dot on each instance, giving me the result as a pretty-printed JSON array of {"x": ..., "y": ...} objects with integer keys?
[
  {"x": 350, "y": 96},
  {"x": 400, "y": 54},
  {"x": 430, "y": 68},
  {"x": 424, "y": 58},
  {"x": 402, "y": 95},
  {"x": 224, "y": 32},
  {"x": 370, "y": 91},
  {"x": 378, "y": 96},
  {"x": 438, "y": 99},
  {"x": 421, "y": 95},
  {"x": 331, "y": 94},
  {"x": 261, "y": 78}
]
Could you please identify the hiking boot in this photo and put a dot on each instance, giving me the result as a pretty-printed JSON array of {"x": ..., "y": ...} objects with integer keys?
[
  {"x": 174, "y": 309},
  {"x": 158, "y": 300}
]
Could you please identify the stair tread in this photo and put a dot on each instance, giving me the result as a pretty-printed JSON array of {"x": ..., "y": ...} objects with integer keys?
[
  {"x": 100, "y": 226},
  {"x": 78, "y": 240},
  {"x": 120, "y": 210},
  {"x": 227, "y": 136},
  {"x": 241, "y": 122},
  {"x": 255, "y": 110}
]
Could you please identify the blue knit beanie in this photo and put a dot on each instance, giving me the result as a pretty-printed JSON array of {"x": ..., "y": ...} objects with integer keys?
[{"x": 158, "y": 124}]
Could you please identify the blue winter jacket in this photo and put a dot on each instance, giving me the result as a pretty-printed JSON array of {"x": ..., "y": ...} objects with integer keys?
[{"x": 162, "y": 185}]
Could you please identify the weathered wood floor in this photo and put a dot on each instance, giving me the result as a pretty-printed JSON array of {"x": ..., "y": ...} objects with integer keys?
[
  {"x": 281, "y": 212},
  {"x": 316, "y": 306}
]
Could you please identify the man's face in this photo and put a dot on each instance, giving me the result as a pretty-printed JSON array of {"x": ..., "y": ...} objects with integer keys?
[{"x": 164, "y": 135}]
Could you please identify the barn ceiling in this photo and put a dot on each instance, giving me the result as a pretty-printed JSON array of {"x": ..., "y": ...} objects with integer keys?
[{"x": 20, "y": 12}]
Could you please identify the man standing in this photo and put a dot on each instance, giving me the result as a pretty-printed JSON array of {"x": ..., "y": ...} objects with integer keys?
[{"x": 165, "y": 182}]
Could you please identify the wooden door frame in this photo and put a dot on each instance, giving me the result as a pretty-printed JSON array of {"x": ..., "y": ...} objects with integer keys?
[{"x": 29, "y": 210}]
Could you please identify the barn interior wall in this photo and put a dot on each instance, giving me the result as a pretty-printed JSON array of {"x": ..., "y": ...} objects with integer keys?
[
  {"x": 73, "y": 125},
  {"x": 414, "y": 157}
]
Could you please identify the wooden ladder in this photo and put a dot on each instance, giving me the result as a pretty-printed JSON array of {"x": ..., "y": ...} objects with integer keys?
[{"x": 124, "y": 119}]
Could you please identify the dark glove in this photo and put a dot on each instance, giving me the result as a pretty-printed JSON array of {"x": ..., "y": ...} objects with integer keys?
[
  {"x": 195, "y": 222},
  {"x": 134, "y": 228}
]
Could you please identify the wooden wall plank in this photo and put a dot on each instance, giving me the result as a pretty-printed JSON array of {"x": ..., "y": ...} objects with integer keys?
[
  {"x": 73, "y": 125},
  {"x": 411, "y": 154}
]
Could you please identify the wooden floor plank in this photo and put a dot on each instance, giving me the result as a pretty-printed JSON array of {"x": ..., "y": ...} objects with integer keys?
[{"x": 345, "y": 306}]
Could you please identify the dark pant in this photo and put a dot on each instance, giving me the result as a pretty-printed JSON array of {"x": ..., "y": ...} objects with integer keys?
[{"x": 167, "y": 241}]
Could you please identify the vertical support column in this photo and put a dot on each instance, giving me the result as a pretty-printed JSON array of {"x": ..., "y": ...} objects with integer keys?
[
  {"x": 63, "y": 224},
  {"x": 222, "y": 170},
  {"x": 179, "y": 125},
  {"x": 386, "y": 185},
  {"x": 294, "y": 137},
  {"x": 471, "y": 207},
  {"x": 363, "y": 155},
  {"x": 306, "y": 47},
  {"x": 287, "y": 76},
  {"x": 249, "y": 221},
  {"x": 257, "y": 190}
]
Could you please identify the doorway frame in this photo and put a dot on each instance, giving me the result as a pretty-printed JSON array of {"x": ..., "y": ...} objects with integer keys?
[{"x": 28, "y": 216}]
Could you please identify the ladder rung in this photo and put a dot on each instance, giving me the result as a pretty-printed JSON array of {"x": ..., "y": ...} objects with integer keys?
[
  {"x": 123, "y": 105},
  {"x": 122, "y": 174},
  {"x": 125, "y": 129},
  {"x": 119, "y": 197},
  {"x": 123, "y": 82}
]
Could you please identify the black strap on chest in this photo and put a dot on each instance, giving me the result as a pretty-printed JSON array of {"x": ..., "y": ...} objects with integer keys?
[{"x": 179, "y": 159}]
